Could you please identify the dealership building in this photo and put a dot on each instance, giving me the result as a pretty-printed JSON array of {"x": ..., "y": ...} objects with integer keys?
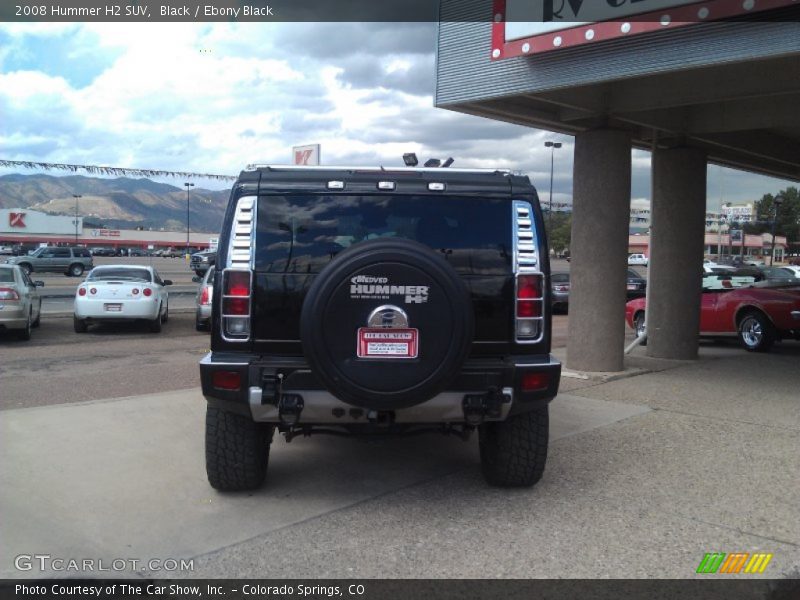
[
  {"x": 694, "y": 82},
  {"x": 30, "y": 227}
]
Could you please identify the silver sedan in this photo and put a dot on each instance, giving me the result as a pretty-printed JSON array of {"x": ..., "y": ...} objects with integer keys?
[{"x": 20, "y": 303}]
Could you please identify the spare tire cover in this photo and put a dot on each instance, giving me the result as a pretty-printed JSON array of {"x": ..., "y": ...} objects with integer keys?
[{"x": 409, "y": 279}]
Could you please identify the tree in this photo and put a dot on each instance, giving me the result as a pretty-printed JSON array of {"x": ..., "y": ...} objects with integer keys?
[
  {"x": 558, "y": 226},
  {"x": 788, "y": 222}
]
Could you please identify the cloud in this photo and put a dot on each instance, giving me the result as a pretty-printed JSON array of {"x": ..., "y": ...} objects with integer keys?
[{"x": 213, "y": 97}]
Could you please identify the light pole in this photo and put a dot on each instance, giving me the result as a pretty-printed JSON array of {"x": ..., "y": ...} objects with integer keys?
[
  {"x": 777, "y": 202},
  {"x": 76, "y": 196},
  {"x": 188, "y": 186},
  {"x": 722, "y": 217},
  {"x": 552, "y": 146}
]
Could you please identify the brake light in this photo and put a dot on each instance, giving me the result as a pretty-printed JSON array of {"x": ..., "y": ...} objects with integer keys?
[
  {"x": 534, "y": 382},
  {"x": 236, "y": 290},
  {"x": 147, "y": 292},
  {"x": 9, "y": 295},
  {"x": 238, "y": 283},
  {"x": 204, "y": 299},
  {"x": 528, "y": 307},
  {"x": 226, "y": 380},
  {"x": 81, "y": 291}
]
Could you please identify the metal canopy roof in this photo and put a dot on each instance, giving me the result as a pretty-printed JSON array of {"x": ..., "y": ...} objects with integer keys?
[{"x": 732, "y": 89}]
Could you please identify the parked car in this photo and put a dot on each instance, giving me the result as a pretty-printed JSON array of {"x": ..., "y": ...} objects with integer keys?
[
  {"x": 792, "y": 270},
  {"x": 559, "y": 291},
  {"x": 69, "y": 260},
  {"x": 384, "y": 307},
  {"x": 205, "y": 292},
  {"x": 7, "y": 250},
  {"x": 201, "y": 261},
  {"x": 636, "y": 285},
  {"x": 637, "y": 259},
  {"x": 172, "y": 253},
  {"x": 771, "y": 274},
  {"x": 122, "y": 293},
  {"x": 20, "y": 303},
  {"x": 102, "y": 251},
  {"x": 758, "y": 315}
]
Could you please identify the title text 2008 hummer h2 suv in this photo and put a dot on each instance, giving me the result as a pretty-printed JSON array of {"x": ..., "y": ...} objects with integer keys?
[{"x": 367, "y": 301}]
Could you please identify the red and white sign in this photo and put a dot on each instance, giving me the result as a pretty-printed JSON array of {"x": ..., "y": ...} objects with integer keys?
[
  {"x": 377, "y": 342},
  {"x": 105, "y": 232},
  {"x": 306, "y": 155},
  {"x": 16, "y": 219},
  {"x": 530, "y": 27}
]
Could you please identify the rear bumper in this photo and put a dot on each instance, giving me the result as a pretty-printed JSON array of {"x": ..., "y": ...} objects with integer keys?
[
  {"x": 131, "y": 309},
  {"x": 261, "y": 383},
  {"x": 13, "y": 317}
]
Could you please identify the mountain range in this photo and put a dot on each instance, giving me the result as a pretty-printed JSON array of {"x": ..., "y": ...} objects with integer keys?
[{"x": 121, "y": 203}]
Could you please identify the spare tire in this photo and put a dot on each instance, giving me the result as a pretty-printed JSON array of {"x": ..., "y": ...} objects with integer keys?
[{"x": 393, "y": 280}]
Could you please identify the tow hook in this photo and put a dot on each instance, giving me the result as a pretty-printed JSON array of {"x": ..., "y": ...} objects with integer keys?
[
  {"x": 289, "y": 408},
  {"x": 478, "y": 407}
]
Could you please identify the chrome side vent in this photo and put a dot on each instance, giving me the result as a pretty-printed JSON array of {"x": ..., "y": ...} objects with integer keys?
[
  {"x": 526, "y": 255},
  {"x": 240, "y": 250}
]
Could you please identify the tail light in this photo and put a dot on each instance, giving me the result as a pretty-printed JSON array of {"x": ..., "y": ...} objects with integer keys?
[
  {"x": 81, "y": 291},
  {"x": 135, "y": 291},
  {"x": 9, "y": 295},
  {"x": 226, "y": 380},
  {"x": 528, "y": 307},
  {"x": 236, "y": 293},
  {"x": 147, "y": 292},
  {"x": 205, "y": 296},
  {"x": 93, "y": 291},
  {"x": 534, "y": 382}
]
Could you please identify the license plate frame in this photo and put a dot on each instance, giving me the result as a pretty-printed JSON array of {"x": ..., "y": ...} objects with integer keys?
[
  {"x": 386, "y": 343},
  {"x": 112, "y": 307}
]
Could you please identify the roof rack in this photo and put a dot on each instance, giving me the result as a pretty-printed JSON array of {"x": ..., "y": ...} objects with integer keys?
[{"x": 256, "y": 166}]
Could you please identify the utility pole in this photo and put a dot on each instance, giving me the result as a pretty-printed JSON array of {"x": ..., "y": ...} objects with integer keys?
[
  {"x": 777, "y": 202},
  {"x": 552, "y": 146},
  {"x": 188, "y": 186},
  {"x": 76, "y": 196}
]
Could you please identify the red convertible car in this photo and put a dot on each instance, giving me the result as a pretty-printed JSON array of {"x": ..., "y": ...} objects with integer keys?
[{"x": 758, "y": 313}]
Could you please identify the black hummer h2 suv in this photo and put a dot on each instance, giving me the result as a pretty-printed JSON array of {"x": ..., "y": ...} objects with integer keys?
[{"x": 371, "y": 301}]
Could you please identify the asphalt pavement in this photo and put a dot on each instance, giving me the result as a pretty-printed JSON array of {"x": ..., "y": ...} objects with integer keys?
[{"x": 648, "y": 471}]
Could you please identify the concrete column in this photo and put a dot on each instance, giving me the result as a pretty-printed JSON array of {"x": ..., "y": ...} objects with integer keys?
[
  {"x": 600, "y": 216},
  {"x": 678, "y": 213}
]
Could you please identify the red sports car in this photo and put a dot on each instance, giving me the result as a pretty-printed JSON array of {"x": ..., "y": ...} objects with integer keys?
[{"x": 758, "y": 313}]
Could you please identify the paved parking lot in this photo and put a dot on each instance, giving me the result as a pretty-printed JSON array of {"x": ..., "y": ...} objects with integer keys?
[{"x": 646, "y": 473}]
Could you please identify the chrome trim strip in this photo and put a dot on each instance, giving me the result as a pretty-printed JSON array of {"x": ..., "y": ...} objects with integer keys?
[
  {"x": 206, "y": 360},
  {"x": 444, "y": 408}
]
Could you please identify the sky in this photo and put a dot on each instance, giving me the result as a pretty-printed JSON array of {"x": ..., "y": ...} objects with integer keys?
[{"x": 213, "y": 97}]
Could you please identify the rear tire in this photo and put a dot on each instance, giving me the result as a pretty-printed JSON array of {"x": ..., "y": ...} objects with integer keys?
[
  {"x": 639, "y": 327},
  {"x": 79, "y": 325},
  {"x": 25, "y": 334},
  {"x": 756, "y": 332},
  {"x": 237, "y": 450},
  {"x": 38, "y": 320},
  {"x": 76, "y": 270},
  {"x": 155, "y": 324},
  {"x": 514, "y": 451},
  {"x": 165, "y": 316},
  {"x": 200, "y": 325}
]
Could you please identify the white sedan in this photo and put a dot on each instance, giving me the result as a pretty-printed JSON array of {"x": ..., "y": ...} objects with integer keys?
[{"x": 122, "y": 293}]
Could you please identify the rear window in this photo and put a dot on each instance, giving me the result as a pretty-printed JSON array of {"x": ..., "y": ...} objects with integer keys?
[
  {"x": 6, "y": 276},
  {"x": 115, "y": 274},
  {"x": 303, "y": 233}
]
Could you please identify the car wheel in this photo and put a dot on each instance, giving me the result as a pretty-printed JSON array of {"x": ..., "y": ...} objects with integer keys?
[
  {"x": 514, "y": 451},
  {"x": 639, "y": 327},
  {"x": 756, "y": 333},
  {"x": 165, "y": 316},
  {"x": 76, "y": 270},
  {"x": 79, "y": 325},
  {"x": 38, "y": 320},
  {"x": 237, "y": 450},
  {"x": 155, "y": 324},
  {"x": 25, "y": 334}
]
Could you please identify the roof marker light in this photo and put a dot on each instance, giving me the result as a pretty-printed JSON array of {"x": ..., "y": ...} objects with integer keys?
[
  {"x": 336, "y": 185},
  {"x": 436, "y": 187},
  {"x": 386, "y": 185}
]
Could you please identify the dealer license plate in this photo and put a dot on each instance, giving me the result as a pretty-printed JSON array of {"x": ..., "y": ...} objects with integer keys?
[
  {"x": 113, "y": 307},
  {"x": 633, "y": 286},
  {"x": 377, "y": 342}
]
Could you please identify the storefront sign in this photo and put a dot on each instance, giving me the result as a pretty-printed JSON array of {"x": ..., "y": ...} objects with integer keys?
[{"x": 528, "y": 27}]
